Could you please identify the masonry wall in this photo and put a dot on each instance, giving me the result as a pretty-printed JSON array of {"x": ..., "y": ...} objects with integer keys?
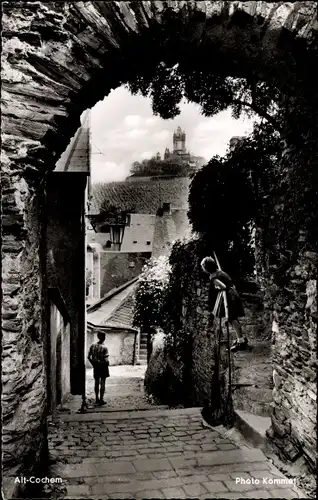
[
  {"x": 24, "y": 325},
  {"x": 252, "y": 370},
  {"x": 117, "y": 268},
  {"x": 294, "y": 327},
  {"x": 169, "y": 227}
]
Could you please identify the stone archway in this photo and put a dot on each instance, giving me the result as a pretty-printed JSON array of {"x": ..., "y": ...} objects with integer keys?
[{"x": 60, "y": 58}]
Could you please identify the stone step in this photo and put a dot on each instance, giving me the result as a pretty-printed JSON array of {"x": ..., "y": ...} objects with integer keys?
[
  {"x": 253, "y": 428},
  {"x": 127, "y": 415},
  {"x": 102, "y": 409}
]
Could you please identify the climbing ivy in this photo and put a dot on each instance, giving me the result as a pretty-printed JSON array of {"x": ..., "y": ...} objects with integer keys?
[{"x": 149, "y": 295}]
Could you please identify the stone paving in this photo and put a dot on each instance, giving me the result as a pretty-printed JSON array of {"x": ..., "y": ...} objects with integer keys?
[
  {"x": 158, "y": 454},
  {"x": 124, "y": 390}
]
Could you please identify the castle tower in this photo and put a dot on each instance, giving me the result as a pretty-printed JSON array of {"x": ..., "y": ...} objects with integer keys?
[
  {"x": 167, "y": 154},
  {"x": 179, "y": 139},
  {"x": 234, "y": 141}
]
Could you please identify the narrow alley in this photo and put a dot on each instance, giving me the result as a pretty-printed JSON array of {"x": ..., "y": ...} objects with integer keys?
[
  {"x": 154, "y": 453},
  {"x": 159, "y": 260}
]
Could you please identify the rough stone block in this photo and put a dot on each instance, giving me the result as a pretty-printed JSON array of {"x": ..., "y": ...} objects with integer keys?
[
  {"x": 77, "y": 490},
  {"x": 215, "y": 486},
  {"x": 233, "y": 456},
  {"x": 174, "y": 493},
  {"x": 195, "y": 490},
  {"x": 285, "y": 493},
  {"x": 152, "y": 464},
  {"x": 258, "y": 494}
]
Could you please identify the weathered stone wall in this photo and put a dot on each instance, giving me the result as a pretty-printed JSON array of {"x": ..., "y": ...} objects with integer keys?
[
  {"x": 196, "y": 319},
  {"x": 254, "y": 367},
  {"x": 294, "y": 413},
  {"x": 58, "y": 58},
  {"x": 169, "y": 227},
  {"x": 116, "y": 268},
  {"x": 24, "y": 330}
]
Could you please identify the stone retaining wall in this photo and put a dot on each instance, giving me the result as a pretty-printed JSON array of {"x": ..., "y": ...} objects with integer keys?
[{"x": 294, "y": 414}]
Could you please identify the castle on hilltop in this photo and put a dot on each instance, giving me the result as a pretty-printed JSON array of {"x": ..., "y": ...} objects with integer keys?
[{"x": 180, "y": 153}]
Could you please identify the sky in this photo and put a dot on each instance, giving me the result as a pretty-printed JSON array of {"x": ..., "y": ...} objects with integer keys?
[{"x": 124, "y": 130}]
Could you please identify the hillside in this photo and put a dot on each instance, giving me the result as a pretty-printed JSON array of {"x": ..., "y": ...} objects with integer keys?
[{"x": 141, "y": 196}]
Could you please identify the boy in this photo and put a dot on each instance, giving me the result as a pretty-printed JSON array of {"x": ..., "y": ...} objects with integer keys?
[
  {"x": 222, "y": 281},
  {"x": 98, "y": 357}
]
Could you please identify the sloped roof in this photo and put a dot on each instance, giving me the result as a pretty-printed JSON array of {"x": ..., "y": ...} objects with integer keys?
[
  {"x": 141, "y": 197},
  {"x": 76, "y": 157},
  {"x": 124, "y": 313},
  {"x": 115, "y": 311}
]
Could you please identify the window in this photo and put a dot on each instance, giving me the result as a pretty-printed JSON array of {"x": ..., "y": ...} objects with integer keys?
[
  {"x": 135, "y": 241},
  {"x": 148, "y": 242}
]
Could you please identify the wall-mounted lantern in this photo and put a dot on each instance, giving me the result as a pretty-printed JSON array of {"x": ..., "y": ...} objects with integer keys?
[{"x": 116, "y": 234}]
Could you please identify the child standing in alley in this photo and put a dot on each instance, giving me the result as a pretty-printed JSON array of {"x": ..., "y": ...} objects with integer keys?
[
  {"x": 98, "y": 357},
  {"x": 221, "y": 281}
]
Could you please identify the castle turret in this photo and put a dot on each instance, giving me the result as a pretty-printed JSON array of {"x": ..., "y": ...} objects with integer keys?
[
  {"x": 179, "y": 139},
  {"x": 167, "y": 154}
]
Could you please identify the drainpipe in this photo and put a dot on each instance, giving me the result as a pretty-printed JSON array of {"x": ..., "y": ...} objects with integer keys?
[{"x": 135, "y": 348}]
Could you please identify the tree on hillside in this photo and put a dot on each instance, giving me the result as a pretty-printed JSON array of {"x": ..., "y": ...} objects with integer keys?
[{"x": 153, "y": 167}]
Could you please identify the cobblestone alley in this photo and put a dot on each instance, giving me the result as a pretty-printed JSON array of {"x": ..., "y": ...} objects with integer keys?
[{"x": 156, "y": 453}]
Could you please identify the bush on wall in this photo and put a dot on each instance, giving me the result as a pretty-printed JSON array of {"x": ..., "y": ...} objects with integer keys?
[{"x": 149, "y": 294}]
